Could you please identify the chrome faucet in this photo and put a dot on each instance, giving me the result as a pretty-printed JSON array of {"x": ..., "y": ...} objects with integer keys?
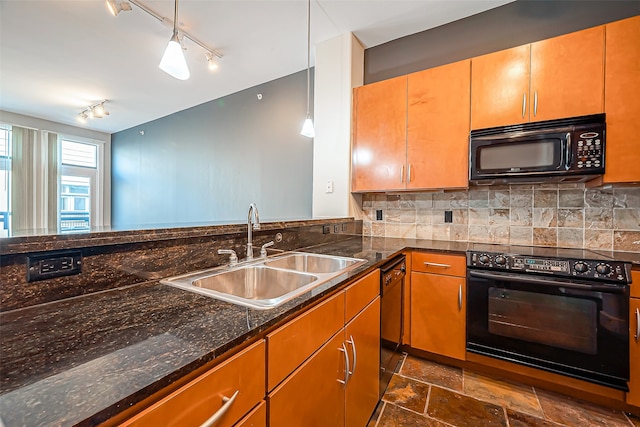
[{"x": 253, "y": 223}]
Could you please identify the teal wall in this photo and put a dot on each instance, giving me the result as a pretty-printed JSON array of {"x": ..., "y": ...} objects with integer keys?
[{"x": 206, "y": 164}]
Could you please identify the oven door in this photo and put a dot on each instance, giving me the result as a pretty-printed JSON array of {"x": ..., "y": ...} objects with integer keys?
[{"x": 578, "y": 329}]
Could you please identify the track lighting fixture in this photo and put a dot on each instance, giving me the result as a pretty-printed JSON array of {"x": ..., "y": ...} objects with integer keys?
[
  {"x": 95, "y": 111},
  {"x": 173, "y": 61},
  {"x": 117, "y": 6},
  {"x": 307, "y": 127}
]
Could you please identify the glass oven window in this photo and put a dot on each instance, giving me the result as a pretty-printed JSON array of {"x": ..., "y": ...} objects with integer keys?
[
  {"x": 519, "y": 155},
  {"x": 557, "y": 321}
]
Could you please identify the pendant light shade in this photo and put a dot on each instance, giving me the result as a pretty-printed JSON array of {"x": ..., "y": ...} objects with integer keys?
[
  {"x": 307, "y": 127},
  {"x": 173, "y": 61}
]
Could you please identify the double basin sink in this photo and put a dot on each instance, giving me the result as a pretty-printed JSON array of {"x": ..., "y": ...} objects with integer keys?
[{"x": 267, "y": 282}]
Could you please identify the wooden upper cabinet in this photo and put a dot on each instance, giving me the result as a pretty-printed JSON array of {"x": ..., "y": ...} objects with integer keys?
[
  {"x": 622, "y": 101},
  {"x": 379, "y": 140},
  {"x": 438, "y": 127},
  {"x": 500, "y": 88},
  {"x": 550, "y": 79},
  {"x": 567, "y": 76}
]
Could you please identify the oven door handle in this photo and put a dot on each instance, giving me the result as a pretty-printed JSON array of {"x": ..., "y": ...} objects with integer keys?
[{"x": 611, "y": 289}]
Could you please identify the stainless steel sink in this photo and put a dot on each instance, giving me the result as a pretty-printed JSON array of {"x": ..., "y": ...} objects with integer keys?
[
  {"x": 266, "y": 283},
  {"x": 312, "y": 263}
]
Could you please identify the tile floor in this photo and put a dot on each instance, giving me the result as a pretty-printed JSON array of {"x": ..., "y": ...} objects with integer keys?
[{"x": 424, "y": 393}]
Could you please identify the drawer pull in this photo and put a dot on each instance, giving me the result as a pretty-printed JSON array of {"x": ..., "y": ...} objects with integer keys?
[
  {"x": 435, "y": 264},
  {"x": 346, "y": 363},
  {"x": 228, "y": 401},
  {"x": 637, "y": 336},
  {"x": 524, "y": 104},
  {"x": 352, "y": 342},
  {"x": 535, "y": 103},
  {"x": 460, "y": 298}
]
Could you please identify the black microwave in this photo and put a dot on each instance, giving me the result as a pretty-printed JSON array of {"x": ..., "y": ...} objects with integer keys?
[{"x": 566, "y": 150}]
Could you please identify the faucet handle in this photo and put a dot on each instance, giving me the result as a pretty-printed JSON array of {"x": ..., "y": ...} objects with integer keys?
[
  {"x": 263, "y": 249},
  {"x": 233, "y": 258}
]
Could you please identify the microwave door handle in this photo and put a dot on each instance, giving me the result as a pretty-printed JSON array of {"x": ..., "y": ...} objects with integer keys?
[{"x": 517, "y": 278}]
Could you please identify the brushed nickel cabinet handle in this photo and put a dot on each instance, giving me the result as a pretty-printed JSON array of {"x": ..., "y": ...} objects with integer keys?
[
  {"x": 352, "y": 342},
  {"x": 402, "y": 174},
  {"x": 524, "y": 104},
  {"x": 460, "y": 298},
  {"x": 637, "y": 336},
  {"x": 435, "y": 264},
  {"x": 535, "y": 103},
  {"x": 228, "y": 401},
  {"x": 409, "y": 173},
  {"x": 346, "y": 363}
]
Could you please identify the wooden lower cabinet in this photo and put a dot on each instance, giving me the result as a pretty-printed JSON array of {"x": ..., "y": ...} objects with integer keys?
[
  {"x": 312, "y": 395},
  {"x": 362, "y": 335},
  {"x": 198, "y": 400},
  {"x": 255, "y": 418},
  {"x": 438, "y": 314}
]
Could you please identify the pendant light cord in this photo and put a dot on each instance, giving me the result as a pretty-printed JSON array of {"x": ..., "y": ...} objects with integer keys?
[
  {"x": 308, "y": 57},
  {"x": 175, "y": 19}
]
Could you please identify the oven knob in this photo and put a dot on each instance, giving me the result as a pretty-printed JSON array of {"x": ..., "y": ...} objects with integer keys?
[
  {"x": 603, "y": 269},
  {"x": 500, "y": 260},
  {"x": 581, "y": 267},
  {"x": 484, "y": 259}
]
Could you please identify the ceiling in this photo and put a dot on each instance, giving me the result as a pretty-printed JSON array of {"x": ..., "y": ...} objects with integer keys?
[{"x": 57, "y": 57}]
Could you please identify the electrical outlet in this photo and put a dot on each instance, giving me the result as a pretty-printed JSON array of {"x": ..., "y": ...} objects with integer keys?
[
  {"x": 448, "y": 216},
  {"x": 326, "y": 229},
  {"x": 336, "y": 228},
  {"x": 329, "y": 187},
  {"x": 379, "y": 215},
  {"x": 56, "y": 264}
]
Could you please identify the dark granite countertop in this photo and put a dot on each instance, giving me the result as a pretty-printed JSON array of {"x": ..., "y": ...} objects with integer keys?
[{"x": 82, "y": 360}]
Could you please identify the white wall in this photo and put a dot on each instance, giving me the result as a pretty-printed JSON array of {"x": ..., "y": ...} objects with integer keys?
[{"x": 339, "y": 67}]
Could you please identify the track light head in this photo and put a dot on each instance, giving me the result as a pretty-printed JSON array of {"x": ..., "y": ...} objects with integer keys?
[
  {"x": 82, "y": 117},
  {"x": 212, "y": 64},
  {"x": 117, "y": 6}
]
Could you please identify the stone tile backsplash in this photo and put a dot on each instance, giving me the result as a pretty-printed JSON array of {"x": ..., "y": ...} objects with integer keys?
[{"x": 564, "y": 215}]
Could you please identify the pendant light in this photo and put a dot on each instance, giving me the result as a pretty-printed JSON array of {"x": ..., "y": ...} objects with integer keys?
[
  {"x": 173, "y": 61},
  {"x": 307, "y": 127}
]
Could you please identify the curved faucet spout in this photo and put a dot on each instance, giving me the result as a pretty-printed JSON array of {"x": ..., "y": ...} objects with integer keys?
[{"x": 253, "y": 223}]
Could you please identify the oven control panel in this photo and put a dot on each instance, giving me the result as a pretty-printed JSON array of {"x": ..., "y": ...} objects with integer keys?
[{"x": 606, "y": 270}]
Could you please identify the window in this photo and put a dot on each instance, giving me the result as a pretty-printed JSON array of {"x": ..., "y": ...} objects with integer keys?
[
  {"x": 79, "y": 186},
  {"x": 5, "y": 177}
]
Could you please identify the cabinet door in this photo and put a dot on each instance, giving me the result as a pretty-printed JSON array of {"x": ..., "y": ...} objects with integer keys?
[
  {"x": 567, "y": 76},
  {"x": 633, "y": 396},
  {"x": 363, "y": 343},
  {"x": 379, "y": 139},
  {"x": 438, "y": 314},
  {"x": 312, "y": 395},
  {"x": 255, "y": 418},
  {"x": 622, "y": 100},
  {"x": 500, "y": 88},
  {"x": 194, "y": 403},
  {"x": 438, "y": 127}
]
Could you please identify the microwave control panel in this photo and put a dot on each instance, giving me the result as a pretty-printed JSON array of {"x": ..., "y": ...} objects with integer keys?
[{"x": 589, "y": 150}]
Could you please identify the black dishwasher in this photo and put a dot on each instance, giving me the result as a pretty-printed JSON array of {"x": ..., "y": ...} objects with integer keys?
[{"x": 391, "y": 317}]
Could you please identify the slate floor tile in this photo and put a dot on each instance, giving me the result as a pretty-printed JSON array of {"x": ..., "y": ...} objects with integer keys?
[
  {"x": 408, "y": 393},
  {"x": 576, "y": 413},
  {"x": 518, "y": 397},
  {"x": 463, "y": 411},
  {"x": 395, "y": 416},
  {"x": 432, "y": 373},
  {"x": 518, "y": 419}
]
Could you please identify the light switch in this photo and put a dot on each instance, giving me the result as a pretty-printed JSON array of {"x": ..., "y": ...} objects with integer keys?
[{"x": 329, "y": 188}]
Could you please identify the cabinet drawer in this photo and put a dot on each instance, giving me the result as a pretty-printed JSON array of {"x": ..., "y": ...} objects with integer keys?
[
  {"x": 293, "y": 343},
  {"x": 635, "y": 283},
  {"x": 361, "y": 293},
  {"x": 449, "y": 265},
  {"x": 198, "y": 400}
]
